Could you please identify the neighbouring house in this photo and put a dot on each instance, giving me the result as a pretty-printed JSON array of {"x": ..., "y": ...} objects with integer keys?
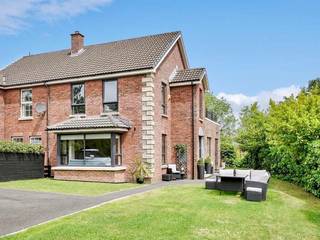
[{"x": 96, "y": 108}]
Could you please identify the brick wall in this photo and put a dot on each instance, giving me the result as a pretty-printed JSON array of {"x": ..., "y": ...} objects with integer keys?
[
  {"x": 60, "y": 110},
  {"x": 172, "y": 62}
]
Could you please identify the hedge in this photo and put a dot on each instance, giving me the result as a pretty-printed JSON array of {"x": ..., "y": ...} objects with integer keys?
[{"x": 14, "y": 147}]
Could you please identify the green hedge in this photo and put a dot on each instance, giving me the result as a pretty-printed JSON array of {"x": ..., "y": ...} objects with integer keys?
[
  {"x": 285, "y": 139},
  {"x": 14, "y": 147}
]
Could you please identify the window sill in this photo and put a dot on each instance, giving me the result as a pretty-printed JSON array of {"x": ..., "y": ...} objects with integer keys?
[
  {"x": 77, "y": 116},
  {"x": 25, "y": 118},
  {"x": 107, "y": 169},
  {"x": 163, "y": 166},
  {"x": 164, "y": 116},
  {"x": 109, "y": 113}
]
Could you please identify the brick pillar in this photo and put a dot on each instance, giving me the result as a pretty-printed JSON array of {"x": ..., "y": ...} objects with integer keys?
[{"x": 148, "y": 122}]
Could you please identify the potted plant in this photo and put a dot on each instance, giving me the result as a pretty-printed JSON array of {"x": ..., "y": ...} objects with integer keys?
[
  {"x": 140, "y": 171},
  {"x": 208, "y": 164},
  {"x": 200, "y": 166}
]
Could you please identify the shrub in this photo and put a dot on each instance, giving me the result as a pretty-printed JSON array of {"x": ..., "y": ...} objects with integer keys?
[
  {"x": 200, "y": 162},
  {"x": 14, "y": 147}
]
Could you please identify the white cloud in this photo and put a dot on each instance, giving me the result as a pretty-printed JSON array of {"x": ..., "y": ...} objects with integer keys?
[
  {"x": 239, "y": 100},
  {"x": 17, "y": 14}
]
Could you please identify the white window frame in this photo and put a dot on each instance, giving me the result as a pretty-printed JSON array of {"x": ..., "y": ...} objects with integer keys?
[
  {"x": 14, "y": 139},
  {"x": 32, "y": 138},
  {"x": 23, "y": 103}
]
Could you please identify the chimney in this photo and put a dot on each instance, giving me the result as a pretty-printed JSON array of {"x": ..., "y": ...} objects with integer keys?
[{"x": 76, "y": 42}]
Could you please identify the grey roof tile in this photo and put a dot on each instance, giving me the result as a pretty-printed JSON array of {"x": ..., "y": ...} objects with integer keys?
[
  {"x": 125, "y": 55},
  {"x": 187, "y": 75},
  {"x": 108, "y": 121}
]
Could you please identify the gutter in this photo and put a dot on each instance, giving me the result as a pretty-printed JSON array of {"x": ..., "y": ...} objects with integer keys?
[
  {"x": 192, "y": 124},
  {"x": 47, "y": 120}
]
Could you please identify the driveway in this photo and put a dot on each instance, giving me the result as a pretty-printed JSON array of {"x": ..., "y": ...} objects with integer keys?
[{"x": 22, "y": 209}]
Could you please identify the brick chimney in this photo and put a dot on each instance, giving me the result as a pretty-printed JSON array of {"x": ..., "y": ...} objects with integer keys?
[{"x": 76, "y": 42}]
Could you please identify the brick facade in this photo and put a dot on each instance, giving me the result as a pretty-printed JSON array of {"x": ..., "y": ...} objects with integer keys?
[{"x": 139, "y": 99}]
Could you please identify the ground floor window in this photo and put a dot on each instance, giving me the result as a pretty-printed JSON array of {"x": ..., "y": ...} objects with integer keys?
[
  {"x": 201, "y": 153},
  {"x": 35, "y": 140},
  {"x": 164, "y": 149},
  {"x": 90, "y": 149},
  {"x": 17, "y": 139},
  {"x": 209, "y": 146}
]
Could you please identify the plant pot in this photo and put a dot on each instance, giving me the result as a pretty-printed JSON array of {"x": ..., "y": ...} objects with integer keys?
[
  {"x": 200, "y": 171},
  {"x": 208, "y": 168},
  {"x": 140, "y": 180}
]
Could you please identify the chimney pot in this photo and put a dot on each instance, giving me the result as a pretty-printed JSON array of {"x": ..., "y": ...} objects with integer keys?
[{"x": 77, "y": 40}]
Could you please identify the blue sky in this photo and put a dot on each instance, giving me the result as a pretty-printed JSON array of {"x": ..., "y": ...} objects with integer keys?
[{"x": 252, "y": 49}]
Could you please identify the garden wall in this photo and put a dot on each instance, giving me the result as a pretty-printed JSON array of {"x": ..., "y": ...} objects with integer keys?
[{"x": 18, "y": 166}]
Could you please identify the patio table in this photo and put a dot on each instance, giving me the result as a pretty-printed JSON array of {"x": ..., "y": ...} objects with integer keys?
[{"x": 230, "y": 182}]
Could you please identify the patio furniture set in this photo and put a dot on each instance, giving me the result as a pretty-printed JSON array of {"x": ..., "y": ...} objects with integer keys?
[
  {"x": 253, "y": 183},
  {"x": 173, "y": 173}
]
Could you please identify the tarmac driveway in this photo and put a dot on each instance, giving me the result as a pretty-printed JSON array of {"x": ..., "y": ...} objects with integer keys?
[{"x": 22, "y": 209}]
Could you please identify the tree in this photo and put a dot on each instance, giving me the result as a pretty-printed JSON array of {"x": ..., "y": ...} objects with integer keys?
[
  {"x": 222, "y": 112},
  {"x": 251, "y": 137},
  {"x": 223, "y": 115}
]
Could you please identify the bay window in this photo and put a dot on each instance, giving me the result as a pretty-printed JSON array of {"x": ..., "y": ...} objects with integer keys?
[
  {"x": 78, "y": 99},
  {"x": 96, "y": 150},
  {"x": 110, "y": 96},
  {"x": 26, "y": 103}
]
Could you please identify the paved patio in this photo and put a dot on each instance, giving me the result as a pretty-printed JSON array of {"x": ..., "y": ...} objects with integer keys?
[{"x": 22, "y": 209}]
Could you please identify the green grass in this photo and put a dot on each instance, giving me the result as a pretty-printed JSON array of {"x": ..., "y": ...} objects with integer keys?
[
  {"x": 191, "y": 212},
  {"x": 68, "y": 187}
]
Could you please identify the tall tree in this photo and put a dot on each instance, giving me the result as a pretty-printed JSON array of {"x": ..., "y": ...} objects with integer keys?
[
  {"x": 251, "y": 136},
  {"x": 222, "y": 113}
]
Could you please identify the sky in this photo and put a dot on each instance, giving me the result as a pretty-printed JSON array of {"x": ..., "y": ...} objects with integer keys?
[{"x": 252, "y": 50}]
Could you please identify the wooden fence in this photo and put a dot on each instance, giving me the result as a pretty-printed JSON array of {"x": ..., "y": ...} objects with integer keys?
[{"x": 18, "y": 166}]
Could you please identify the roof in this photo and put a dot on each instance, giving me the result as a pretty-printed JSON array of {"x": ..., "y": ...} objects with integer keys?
[
  {"x": 108, "y": 121},
  {"x": 114, "y": 57},
  {"x": 188, "y": 75}
]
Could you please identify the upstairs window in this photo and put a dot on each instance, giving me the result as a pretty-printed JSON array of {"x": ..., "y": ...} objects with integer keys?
[
  {"x": 110, "y": 96},
  {"x": 164, "y": 99},
  {"x": 78, "y": 99},
  {"x": 26, "y": 103},
  {"x": 201, "y": 104}
]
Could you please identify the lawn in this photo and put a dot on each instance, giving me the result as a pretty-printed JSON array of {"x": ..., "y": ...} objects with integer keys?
[
  {"x": 191, "y": 212},
  {"x": 68, "y": 187}
]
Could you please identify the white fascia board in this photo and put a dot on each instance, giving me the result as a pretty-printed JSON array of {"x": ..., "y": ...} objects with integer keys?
[
  {"x": 189, "y": 83},
  {"x": 91, "y": 130}
]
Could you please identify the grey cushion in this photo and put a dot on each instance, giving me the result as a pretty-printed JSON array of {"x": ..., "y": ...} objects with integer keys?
[{"x": 253, "y": 189}]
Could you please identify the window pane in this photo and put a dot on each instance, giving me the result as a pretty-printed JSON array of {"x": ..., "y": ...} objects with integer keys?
[
  {"x": 35, "y": 140},
  {"x": 78, "y": 109},
  {"x": 164, "y": 98},
  {"x": 26, "y": 95},
  {"x": 98, "y": 148},
  {"x": 78, "y": 94},
  {"x": 164, "y": 143},
  {"x": 17, "y": 139},
  {"x": 110, "y": 107},
  {"x": 110, "y": 91},
  {"x": 27, "y": 110},
  {"x": 76, "y": 149}
]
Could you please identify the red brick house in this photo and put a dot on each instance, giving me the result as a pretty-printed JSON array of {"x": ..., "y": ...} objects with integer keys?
[{"x": 96, "y": 108}]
